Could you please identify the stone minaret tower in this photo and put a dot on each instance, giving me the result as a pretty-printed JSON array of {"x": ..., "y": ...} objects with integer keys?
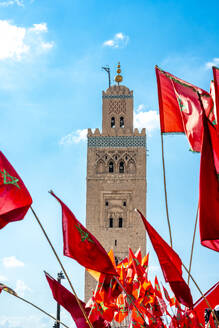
[{"x": 116, "y": 178}]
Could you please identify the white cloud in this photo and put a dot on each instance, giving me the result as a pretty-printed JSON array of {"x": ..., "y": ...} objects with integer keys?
[
  {"x": 140, "y": 108},
  {"x": 215, "y": 62},
  {"x": 18, "y": 42},
  {"x": 8, "y": 3},
  {"x": 12, "y": 41},
  {"x": 74, "y": 137},
  {"x": 119, "y": 40},
  {"x": 109, "y": 43},
  {"x": 11, "y": 262},
  {"x": 120, "y": 36},
  {"x": 21, "y": 288},
  {"x": 47, "y": 45},
  {"x": 148, "y": 120},
  {"x": 3, "y": 278},
  {"x": 37, "y": 28}
]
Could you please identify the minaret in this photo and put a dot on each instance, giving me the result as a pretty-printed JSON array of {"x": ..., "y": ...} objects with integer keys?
[{"x": 116, "y": 177}]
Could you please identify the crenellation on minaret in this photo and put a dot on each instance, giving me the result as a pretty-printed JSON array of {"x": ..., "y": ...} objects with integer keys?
[{"x": 116, "y": 177}]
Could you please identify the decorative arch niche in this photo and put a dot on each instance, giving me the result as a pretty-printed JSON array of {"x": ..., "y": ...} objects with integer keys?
[
  {"x": 100, "y": 167},
  {"x": 131, "y": 166}
]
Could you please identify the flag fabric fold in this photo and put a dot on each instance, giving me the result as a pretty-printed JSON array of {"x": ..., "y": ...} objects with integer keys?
[
  {"x": 15, "y": 199},
  {"x": 81, "y": 245},
  {"x": 208, "y": 194},
  {"x": 216, "y": 92},
  {"x": 191, "y": 113},
  {"x": 171, "y": 265},
  {"x": 181, "y": 106}
]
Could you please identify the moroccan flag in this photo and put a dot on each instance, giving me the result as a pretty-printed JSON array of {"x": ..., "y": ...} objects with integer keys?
[
  {"x": 122, "y": 311},
  {"x": 15, "y": 199},
  {"x": 181, "y": 107},
  {"x": 208, "y": 195},
  {"x": 68, "y": 301},
  {"x": 157, "y": 288},
  {"x": 170, "y": 117},
  {"x": 136, "y": 264},
  {"x": 171, "y": 265},
  {"x": 100, "y": 309},
  {"x": 216, "y": 90},
  {"x": 212, "y": 295},
  {"x": 81, "y": 245}
]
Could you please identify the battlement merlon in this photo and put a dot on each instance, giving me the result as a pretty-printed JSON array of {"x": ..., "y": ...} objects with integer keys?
[
  {"x": 97, "y": 133},
  {"x": 117, "y": 92}
]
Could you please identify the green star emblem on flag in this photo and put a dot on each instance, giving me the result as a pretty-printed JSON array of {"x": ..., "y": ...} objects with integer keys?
[
  {"x": 181, "y": 105},
  {"x": 9, "y": 179},
  {"x": 84, "y": 234},
  {"x": 122, "y": 308},
  {"x": 136, "y": 261}
]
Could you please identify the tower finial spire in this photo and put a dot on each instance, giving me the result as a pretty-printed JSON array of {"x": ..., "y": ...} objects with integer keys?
[{"x": 118, "y": 77}]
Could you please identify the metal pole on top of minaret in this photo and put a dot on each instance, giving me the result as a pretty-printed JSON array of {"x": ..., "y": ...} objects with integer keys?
[
  {"x": 107, "y": 69},
  {"x": 60, "y": 276}
]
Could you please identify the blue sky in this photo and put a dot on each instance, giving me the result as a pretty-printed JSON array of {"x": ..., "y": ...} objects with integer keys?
[{"x": 51, "y": 54}]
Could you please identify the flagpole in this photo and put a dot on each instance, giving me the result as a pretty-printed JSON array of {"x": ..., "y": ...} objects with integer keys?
[
  {"x": 63, "y": 269},
  {"x": 201, "y": 293},
  {"x": 37, "y": 307},
  {"x": 193, "y": 242},
  {"x": 165, "y": 190}
]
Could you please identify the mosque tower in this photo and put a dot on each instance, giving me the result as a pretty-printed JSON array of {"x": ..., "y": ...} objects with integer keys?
[{"x": 116, "y": 177}]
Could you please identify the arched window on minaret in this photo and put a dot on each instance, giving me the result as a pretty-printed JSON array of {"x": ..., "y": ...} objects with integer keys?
[
  {"x": 111, "y": 167},
  {"x": 121, "y": 167},
  {"x": 113, "y": 122},
  {"x": 122, "y": 123},
  {"x": 110, "y": 222},
  {"x": 120, "y": 222}
]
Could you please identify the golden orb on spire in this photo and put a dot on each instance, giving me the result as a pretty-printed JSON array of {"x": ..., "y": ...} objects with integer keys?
[{"x": 118, "y": 77}]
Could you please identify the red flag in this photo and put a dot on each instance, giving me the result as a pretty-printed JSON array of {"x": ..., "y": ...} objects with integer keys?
[
  {"x": 166, "y": 294},
  {"x": 15, "y": 199},
  {"x": 208, "y": 195},
  {"x": 68, "y": 301},
  {"x": 136, "y": 264},
  {"x": 216, "y": 90},
  {"x": 81, "y": 245},
  {"x": 170, "y": 117},
  {"x": 122, "y": 311},
  {"x": 157, "y": 289},
  {"x": 171, "y": 265},
  {"x": 181, "y": 107},
  {"x": 212, "y": 295}
]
